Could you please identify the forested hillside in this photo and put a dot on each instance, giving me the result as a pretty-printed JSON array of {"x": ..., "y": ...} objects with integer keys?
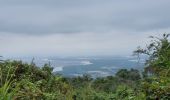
[{"x": 22, "y": 81}]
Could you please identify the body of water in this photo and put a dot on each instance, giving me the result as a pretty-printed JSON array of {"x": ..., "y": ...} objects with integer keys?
[{"x": 95, "y": 66}]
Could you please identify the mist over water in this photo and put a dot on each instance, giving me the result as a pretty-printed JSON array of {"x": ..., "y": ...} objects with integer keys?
[{"x": 94, "y": 66}]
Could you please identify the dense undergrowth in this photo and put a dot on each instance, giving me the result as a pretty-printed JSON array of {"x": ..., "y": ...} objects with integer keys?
[{"x": 22, "y": 81}]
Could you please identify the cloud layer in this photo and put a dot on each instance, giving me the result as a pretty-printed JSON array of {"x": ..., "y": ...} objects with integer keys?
[{"x": 79, "y": 27}]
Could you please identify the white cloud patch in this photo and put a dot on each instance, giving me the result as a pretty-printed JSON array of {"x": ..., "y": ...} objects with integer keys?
[{"x": 78, "y": 44}]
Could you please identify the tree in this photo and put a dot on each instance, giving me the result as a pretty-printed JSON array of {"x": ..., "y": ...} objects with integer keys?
[
  {"x": 158, "y": 52},
  {"x": 1, "y": 59},
  {"x": 132, "y": 74},
  {"x": 156, "y": 83}
]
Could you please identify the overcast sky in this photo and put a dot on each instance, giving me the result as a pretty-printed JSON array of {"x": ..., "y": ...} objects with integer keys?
[{"x": 79, "y": 27}]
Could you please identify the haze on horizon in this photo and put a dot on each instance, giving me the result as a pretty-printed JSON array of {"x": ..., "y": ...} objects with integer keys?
[{"x": 79, "y": 27}]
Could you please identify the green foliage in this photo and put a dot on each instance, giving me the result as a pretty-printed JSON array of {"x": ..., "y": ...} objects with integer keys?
[
  {"x": 124, "y": 92},
  {"x": 132, "y": 74},
  {"x": 108, "y": 84},
  {"x": 159, "y": 54},
  {"x": 156, "y": 83},
  {"x": 5, "y": 86},
  {"x": 22, "y": 81},
  {"x": 26, "y": 82},
  {"x": 157, "y": 88}
]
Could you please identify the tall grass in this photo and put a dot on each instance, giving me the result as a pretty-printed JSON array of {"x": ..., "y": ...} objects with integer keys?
[{"x": 6, "y": 92}]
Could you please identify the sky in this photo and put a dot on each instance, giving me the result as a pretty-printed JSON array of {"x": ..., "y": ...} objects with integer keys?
[{"x": 79, "y": 27}]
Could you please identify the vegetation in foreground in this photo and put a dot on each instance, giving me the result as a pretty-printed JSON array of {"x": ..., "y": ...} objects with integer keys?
[{"x": 22, "y": 81}]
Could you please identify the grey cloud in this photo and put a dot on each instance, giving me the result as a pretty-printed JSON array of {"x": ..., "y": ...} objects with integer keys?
[{"x": 72, "y": 16}]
